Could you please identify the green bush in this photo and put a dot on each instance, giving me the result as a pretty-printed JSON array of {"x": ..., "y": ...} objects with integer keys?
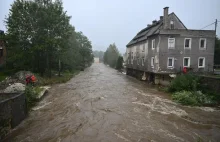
[
  {"x": 187, "y": 82},
  {"x": 195, "y": 98},
  {"x": 31, "y": 96}
]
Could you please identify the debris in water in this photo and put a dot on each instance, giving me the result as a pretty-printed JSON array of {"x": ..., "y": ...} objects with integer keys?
[{"x": 42, "y": 106}]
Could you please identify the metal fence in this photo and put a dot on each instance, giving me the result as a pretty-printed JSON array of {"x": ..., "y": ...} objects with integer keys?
[{"x": 13, "y": 110}]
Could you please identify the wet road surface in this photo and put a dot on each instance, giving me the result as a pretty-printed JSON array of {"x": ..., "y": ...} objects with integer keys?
[{"x": 103, "y": 105}]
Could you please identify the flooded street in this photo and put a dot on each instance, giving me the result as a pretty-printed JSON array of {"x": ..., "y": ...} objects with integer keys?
[{"x": 103, "y": 105}]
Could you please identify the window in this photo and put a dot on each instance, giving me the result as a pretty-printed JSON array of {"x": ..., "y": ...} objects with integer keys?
[
  {"x": 186, "y": 62},
  {"x": 201, "y": 62},
  {"x": 171, "y": 24},
  {"x": 202, "y": 43},
  {"x": 138, "y": 61},
  {"x": 152, "y": 62},
  {"x": 153, "y": 44},
  {"x": 142, "y": 61},
  {"x": 171, "y": 43},
  {"x": 170, "y": 62},
  {"x": 187, "y": 43}
]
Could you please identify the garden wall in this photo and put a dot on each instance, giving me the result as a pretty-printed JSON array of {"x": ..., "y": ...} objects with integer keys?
[{"x": 13, "y": 110}]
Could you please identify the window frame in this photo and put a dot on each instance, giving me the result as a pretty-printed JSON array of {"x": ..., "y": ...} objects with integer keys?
[
  {"x": 203, "y": 66},
  {"x": 153, "y": 46},
  {"x": 152, "y": 62},
  {"x": 171, "y": 24},
  {"x": 190, "y": 43},
  {"x": 202, "y": 48},
  {"x": 174, "y": 43},
  {"x": 188, "y": 61},
  {"x": 172, "y": 62}
]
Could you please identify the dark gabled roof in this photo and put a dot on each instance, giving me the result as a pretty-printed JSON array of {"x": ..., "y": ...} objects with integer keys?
[{"x": 148, "y": 31}]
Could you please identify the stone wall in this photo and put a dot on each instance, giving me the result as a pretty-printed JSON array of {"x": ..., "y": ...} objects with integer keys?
[
  {"x": 212, "y": 83},
  {"x": 12, "y": 111}
]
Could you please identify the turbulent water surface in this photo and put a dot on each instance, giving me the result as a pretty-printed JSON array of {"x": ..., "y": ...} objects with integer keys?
[{"x": 103, "y": 105}]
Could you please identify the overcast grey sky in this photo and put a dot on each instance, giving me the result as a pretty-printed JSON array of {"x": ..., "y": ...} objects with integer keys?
[{"x": 108, "y": 21}]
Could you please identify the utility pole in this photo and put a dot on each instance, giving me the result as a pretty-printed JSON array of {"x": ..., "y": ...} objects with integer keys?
[{"x": 216, "y": 22}]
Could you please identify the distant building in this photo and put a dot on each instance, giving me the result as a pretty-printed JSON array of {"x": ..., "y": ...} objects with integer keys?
[
  {"x": 165, "y": 47},
  {"x": 96, "y": 60},
  {"x": 2, "y": 49}
]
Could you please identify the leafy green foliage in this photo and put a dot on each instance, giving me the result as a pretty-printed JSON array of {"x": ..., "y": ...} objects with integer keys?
[
  {"x": 119, "y": 64},
  {"x": 195, "y": 98},
  {"x": 31, "y": 96},
  {"x": 40, "y": 36},
  {"x": 2, "y": 76},
  {"x": 111, "y": 55},
  {"x": 187, "y": 82},
  {"x": 187, "y": 89},
  {"x": 66, "y": 76}
]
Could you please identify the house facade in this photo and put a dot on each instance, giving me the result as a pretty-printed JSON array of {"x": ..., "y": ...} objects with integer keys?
[
  {"x": 166, "y": 47},
  {"x": 2, "y": 49}
]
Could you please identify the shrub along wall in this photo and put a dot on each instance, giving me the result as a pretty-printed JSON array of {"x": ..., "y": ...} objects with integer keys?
[{"x": 189, "y": 89}]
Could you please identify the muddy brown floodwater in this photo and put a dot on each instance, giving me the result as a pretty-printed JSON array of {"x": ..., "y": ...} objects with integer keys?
[{"x": 103, "y": 105}]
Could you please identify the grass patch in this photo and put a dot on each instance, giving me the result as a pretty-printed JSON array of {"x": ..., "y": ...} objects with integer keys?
[
  {"x": 5, "y": 73},
  {"x": 66, "y": 76},
  {"x": 37, "y": 89},
  {"x": 2, "y": 76},
  {"x": 31, "y": 96}
]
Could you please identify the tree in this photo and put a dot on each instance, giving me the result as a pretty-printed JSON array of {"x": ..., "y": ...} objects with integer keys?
[
  {"x": 119, "y": 64},
  {"x": 37, "y": 30},
  {"x": 111, "y": 55},
  {"x": 40, "y": 37}
]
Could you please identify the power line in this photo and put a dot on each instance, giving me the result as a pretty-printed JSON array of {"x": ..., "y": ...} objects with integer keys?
[{"x": 207, "y": 25}]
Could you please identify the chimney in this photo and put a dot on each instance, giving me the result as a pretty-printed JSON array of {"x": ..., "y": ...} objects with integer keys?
[
  {"x": 165, "y": 18},
  {"x": 153, "y": 22},
  {"x": 161, "y": 17},
  {"x": 148, "y": 25}
]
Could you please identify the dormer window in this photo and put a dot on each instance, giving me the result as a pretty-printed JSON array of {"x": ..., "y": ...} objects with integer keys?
[{"x": 171, "y": 24}]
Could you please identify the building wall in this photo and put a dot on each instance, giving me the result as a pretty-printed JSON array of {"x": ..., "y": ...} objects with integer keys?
[
  {"x": 194, "y": 53},
  {"x": 147, "y": 54},
  {"x": 177, "y": 23}
]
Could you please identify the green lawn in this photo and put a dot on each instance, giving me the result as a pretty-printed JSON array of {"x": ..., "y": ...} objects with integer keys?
[{"x": 66, "y": 76}]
